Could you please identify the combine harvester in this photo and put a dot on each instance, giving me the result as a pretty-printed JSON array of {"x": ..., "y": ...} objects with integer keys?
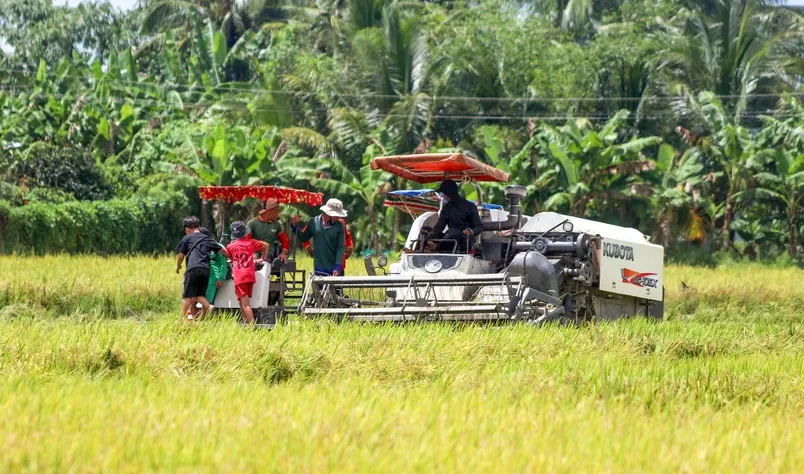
[{"x": 542, "y": 268}]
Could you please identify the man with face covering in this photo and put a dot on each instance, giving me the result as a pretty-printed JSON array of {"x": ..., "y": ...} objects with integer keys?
[{"x": 459, "y": 216}]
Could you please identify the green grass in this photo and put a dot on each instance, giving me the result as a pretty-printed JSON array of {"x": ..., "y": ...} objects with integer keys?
[{"x": 97, "y": 374}]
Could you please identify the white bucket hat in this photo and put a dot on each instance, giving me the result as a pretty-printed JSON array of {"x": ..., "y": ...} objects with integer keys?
[{"x": 334, "y": 208}]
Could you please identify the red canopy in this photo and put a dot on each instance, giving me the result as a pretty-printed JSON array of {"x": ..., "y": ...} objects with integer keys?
[
  {"x": 239, "y": 193},
  {"x": 432, "y": 167}
]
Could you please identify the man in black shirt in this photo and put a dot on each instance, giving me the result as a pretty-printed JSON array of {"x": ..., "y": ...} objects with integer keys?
[
  {"x": 459, "y": 216},
  {"x": 196, "y": 247}
]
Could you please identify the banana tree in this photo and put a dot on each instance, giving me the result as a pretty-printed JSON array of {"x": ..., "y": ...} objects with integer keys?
[
  {"x": 676, "y": 196},
  {"x": 787, "y": 187},
  {"x": 595, "y": 167},
  {"x": 727, "y": 149},
  {"x": 521, "y": 169},
  {"x": 223, "y": 155},
  {"x": 780, "y": 169}
]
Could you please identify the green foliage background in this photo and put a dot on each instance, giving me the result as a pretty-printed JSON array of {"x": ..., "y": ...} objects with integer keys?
[{"x": 678, "y": 118}]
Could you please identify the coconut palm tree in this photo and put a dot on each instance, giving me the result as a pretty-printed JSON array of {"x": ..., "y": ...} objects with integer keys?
[
  {"x": 572, "y": 15},
  {"x": 732, "y": 48},
  {"x": 233, "y": 17}
]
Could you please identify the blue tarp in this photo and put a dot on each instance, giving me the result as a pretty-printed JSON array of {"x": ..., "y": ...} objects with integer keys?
[{"x": 422, "y": 194}]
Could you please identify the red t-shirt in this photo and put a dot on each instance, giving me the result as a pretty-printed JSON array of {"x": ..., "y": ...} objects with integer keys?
[{"x": 242, "y": 253}]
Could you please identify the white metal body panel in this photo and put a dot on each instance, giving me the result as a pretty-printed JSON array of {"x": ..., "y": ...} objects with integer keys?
[
  {"x": 544, "y": 221},
  {"x": 226, "y": 297},
  {"x": 467, "y": 265},
  {"x": 428, "y": 218},
  {"x": 633, "y": 269}
]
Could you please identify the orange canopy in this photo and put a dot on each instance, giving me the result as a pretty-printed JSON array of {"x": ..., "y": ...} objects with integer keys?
[
  {"x": 262, "y": 193},
  {"x": 432, "y": 167}
]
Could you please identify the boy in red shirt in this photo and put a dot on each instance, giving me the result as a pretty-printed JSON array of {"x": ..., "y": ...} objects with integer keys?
[{"x": 242, "y": 250}]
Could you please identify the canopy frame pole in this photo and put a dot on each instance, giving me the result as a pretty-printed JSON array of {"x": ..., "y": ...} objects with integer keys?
[
  {"x": 204, "y": 219},
  {"x": 479, "y": 192}
]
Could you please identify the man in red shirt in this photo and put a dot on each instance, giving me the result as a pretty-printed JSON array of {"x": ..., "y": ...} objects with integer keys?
[
  {"x": 242, "y": 250},
  {"x": 347, "y": 242}
]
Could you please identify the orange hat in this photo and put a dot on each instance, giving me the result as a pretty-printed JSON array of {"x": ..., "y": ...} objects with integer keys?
[{"x": 270, "y": 204}]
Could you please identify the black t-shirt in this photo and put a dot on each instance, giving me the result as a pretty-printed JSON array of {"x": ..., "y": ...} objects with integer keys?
[
  {"x": 196, "y": 247},
  {"x": 458, "y": 214}
]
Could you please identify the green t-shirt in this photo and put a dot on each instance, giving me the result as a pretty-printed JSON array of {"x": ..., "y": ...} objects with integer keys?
[
  {"x": 328, "y": 244},
  {"x": 266, "y": 231}
]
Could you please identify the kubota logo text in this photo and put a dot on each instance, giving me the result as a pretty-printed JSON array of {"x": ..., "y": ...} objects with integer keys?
[
  {"x": 623, "y": 252},
  {"x": 639, "y": 279}
]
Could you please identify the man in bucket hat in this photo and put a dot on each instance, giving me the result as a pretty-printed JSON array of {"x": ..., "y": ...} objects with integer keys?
[
  {"x": 329, "y": 238},
  {"x": 268, "y": 228},
  {"x": 350, "y": 246}
]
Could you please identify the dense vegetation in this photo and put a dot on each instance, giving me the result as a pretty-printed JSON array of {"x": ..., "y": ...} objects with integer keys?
[{"x": 680, "y": 118}]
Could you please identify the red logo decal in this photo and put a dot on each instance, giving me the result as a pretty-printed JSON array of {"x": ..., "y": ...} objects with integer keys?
[{"x": 639, "y": 279}]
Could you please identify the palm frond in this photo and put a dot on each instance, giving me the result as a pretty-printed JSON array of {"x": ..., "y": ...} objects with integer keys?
[
  {"x": 305, "y": 138},
  {"x": 166, "y": 14}
]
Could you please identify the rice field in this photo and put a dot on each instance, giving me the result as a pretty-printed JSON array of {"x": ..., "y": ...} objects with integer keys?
[{"x": 98, "y": 374}]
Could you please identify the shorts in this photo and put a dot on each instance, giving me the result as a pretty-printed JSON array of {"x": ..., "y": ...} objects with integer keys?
[
  {"x": 196, "y": 281},
  {"x": 244, "y": 289}
]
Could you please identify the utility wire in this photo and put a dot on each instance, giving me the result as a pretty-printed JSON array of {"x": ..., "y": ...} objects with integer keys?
[
  {"x": 233, "y": 87},
  {"x": 87, "y": 96},
  {"x": 89, "y": 99}
]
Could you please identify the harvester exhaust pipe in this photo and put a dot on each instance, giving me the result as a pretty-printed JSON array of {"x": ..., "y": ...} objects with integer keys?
[{"x": 514, "y": 194}]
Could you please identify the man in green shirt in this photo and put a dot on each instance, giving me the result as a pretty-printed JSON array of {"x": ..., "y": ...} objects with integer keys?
[
  {"x": 268, "y": 228},
  {"x": 328, "y": 236}
]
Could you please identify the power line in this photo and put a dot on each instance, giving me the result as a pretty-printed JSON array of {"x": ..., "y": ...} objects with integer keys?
[
  {"x": 233, "y": 87},
  {"x": 291, "y": 110},
  {"x": 89, "y": 97}
]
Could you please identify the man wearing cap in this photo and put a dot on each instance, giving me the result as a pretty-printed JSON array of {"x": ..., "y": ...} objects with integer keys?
[
  {"x": 349, "y": 242},
  {"x": 268, "y": 228},
  {"x": 328, "y": 236},
  {"x": 458, "y": 216}
]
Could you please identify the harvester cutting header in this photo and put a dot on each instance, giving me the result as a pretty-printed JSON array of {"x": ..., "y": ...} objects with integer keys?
[{"x": 538, "y": 268}]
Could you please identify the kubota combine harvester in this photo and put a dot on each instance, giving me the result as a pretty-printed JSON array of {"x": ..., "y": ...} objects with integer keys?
[{"x": 538, "y": 268}]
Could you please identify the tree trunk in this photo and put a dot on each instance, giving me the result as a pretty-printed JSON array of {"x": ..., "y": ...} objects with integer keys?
[
  {"x": 559, "y": 17},
  {"x": 219, "y": 217},
  {"x": 375, "y": 235},
  {"x": 665, "y": 227},
  {"x": 532, "y": 152},
  {"x": 112, "y": 131},
  {"x": 727, "y": 223},
  {"x": 2, "y": 233},
  {"x": 793, "y": 224},
  {"x": 223, "y": 220}
]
